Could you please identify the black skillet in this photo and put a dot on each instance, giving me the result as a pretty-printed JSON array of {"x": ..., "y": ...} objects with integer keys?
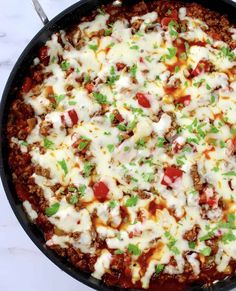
[{"x": 68, "y": 17}]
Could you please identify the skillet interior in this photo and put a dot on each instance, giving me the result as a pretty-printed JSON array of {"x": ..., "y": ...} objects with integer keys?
[{"x": 68, "y": 17}]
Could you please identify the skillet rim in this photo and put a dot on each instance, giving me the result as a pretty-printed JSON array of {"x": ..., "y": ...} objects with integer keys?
[{"x": 31, "y": 230}]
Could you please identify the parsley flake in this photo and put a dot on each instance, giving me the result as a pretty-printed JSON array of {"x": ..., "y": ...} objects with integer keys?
[
  {"x": 134, "y": 249},
  {"x": 132, "y": 201},
  {"x": 48, "y": 144},
  {"x": 63, "y": 165},
  {"x": 50, "y": 211}
]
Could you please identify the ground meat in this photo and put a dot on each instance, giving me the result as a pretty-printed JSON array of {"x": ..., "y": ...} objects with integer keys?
[
  {"x": 45, "y": 128},
  {"x": 196, "y": 178},
  {"x": 192, "y": 234}
]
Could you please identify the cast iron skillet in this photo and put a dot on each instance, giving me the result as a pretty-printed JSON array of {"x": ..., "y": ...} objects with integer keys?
[{"x": 68, "y": 17}]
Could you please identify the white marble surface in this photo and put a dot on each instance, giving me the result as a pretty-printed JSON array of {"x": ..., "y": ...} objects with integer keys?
[{"x": 18, "y": 255}]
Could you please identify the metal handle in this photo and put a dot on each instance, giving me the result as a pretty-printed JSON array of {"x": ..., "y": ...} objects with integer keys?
[
  {"x": 42, "y": 15},
  {"x": 117, "y": 3}
]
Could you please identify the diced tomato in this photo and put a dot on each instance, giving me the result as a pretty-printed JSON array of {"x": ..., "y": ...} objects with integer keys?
[
  {"x": 48, "y": 235},
  {"x": 170, "y": 90},
  {"x": 118, "y": 117},
  {"x": 100, "y": 190},
  {"x": 73, "y": 116},
  {"x": 212, "y": 201},
  {"x": 171, "y": 174},
  {"x": 63, "y": 120},
  {"x": 165, "y": 21},
  {"x": 215, "y": 35},
  {"x": 173, "y": 13},
  {"x": 89, "y": 87},
  {"x": 120, "y": 66},
  {"x": 43, "y": 55},
  {"x": 202, "y": 67},
  {"x": 208, "y": 196},
  {"x": 185, "y": 100},
  {"x": 143, "y": 100},
  {"x": 21, "y": 192},
  {"x": 177, "y": 147},
  {"x": 107, "y": 49},
  {"x": 27, "y": 85},
  {"x": 198, "y": 43},
  {"x": 231, "y": 146},
  {"x": 234, "y": 141},
  {"x": 141, "y": 60}
]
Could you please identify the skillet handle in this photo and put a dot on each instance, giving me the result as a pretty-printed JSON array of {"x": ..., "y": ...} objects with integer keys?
[
  {"x": 117, "y": 3},
  {"x": 42, "y": 15}
]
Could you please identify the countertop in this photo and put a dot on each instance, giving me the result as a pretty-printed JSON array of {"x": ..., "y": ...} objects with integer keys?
[{"x": 22, "y": 266}]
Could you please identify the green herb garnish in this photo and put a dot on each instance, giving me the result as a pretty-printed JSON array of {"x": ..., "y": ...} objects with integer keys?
[
  {"x": 132, "y": 201},
  {"x": 50, "y": 211},
  {"x": 63, "y": 165},
  {"x": 134, "y": 249},
  {"x": 65, "y": 65}
]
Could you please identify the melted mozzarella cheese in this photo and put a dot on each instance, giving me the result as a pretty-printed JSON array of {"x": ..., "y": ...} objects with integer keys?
[{"x": 131, "y": 157}]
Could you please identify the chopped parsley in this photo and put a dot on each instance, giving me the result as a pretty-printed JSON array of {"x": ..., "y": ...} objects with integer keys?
[
  {"x": 118, "y": 252},
  {"x": 50, "y": 211},
  {"x": 108, "y": 32},
  {"x": 208, "y": 87},
  {"x": 59, "y": 98},
  {"x": 172, "y": 28},
  {"x": 148, "y": 177},
  {"x": 172, "y": 53},
  {"x": 206, "y": 251},
  {"x": 134, "y": 249},
  {"x": 134, "y": 47},
  {"x": 139, "y": 33},
  {"x": 228, "y": 237},
  {"x": 159, "y": 269},
  {"x": 48, "y": 144},
  {"x": 82, "y": 145},
  {"x": 72, "y": 103},
  {"x": 93, "y": 47},
  {"x": 213, "y": 129},
  {"x": 24, "y": 143},
  {"x": 100, "y": 98},
  {"x": 133, "y": 70},
  {"x": 82, "y": 189},
  {"x": 207, "y": 236},
  {"x": 171, "y": 244},
  {"x": 160, "y": 142},
  {"x": 126, "y": 148},
  {"x": 132, "y": 201},
  {"x": 63, "y": 165},
  {"x": 65, "y": 65},
  {"x": 226, "y": 52},
  {"x": 122, "y": 127},
  {"x": 141, "y": 143},
  {"x": 222, "y": 144},
  {"x": 111, "y": 148},
  {"x": 213, "y": 99},
  {"x": 233, "y": 131},
  {"x": 74, "y": 199},
  {"x": 112, "y": 204},
  {"x": 113, "y": 77},
  {"x": 192, "y": 245},
  {"x": 180, "y": 160},
  {"x": 230, "y": 173},
  {"x": 177, "y": 69},
  {"x": 88, "y": 167}
]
